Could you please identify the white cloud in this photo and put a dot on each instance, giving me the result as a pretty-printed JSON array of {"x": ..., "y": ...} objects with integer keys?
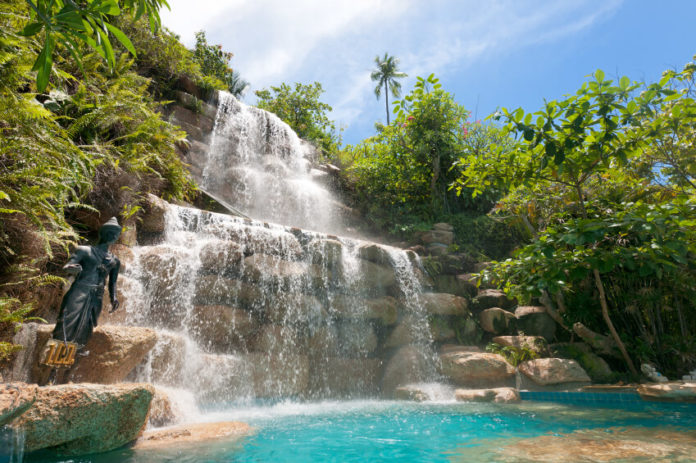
[{"x": 335, "y": 42}]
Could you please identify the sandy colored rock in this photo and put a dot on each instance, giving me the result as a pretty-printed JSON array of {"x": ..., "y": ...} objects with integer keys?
[
  {"x": 279, "y": 375},
  {"x": 445, "y": 304},
  {"x": 497, "y": 395},
  {"x": 221, "y": 257},
  {"x": 463, "y": 285},
  {"x": 15, "y": 399},
  {"x": 476, "y": 369},
  {"x": 596, "y": 367},
  {"x": 448, "y": 348},
  {"x": 161, "y": 409},
  {"x": 669, "y": 392},
  {"x": 496, "y": 320},
  {"x": 374, "y": 278},
  {"x": 113, "y": 353},
  {"x": 343, "y": 377},
  {"x": 410, "y": 364},
  {"x": 326, "y": 252},
  {"x": 222, "y": 328},
  {"x": 385, "y": 309},
  {"x": 79, "y": 419},
  {"x": 375, "y": 253},
  {"x": 602, "y": 445},
  {"x": 549, "y": 371},
  {"x": 154, "y": 216},
  {"x": 212, "y": 290},
  {"x": 410, "y": 392},
  {"x": 192, "y": 435}
]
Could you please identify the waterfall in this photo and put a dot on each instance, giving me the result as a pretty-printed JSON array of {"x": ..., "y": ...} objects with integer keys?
[{"x": 274, "y": 307}]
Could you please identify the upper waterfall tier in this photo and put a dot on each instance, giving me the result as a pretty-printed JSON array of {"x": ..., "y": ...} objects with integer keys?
[{"x": 259, "y": 165}]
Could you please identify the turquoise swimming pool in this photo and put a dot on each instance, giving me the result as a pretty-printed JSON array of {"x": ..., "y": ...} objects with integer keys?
[{"x": 388, "y": 431}]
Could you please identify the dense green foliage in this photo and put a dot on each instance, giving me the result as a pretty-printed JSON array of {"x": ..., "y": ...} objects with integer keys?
[
  {"x": 301, "y": 108},
  {"x": 74, "y": 24},
  {"x": 402, "y": 176},
  {"x": 385, "y": 75},
  {"x": 214, "y": 62},
  {"x": 95, "y": 143},
  {"x": 604, "y": 178}
]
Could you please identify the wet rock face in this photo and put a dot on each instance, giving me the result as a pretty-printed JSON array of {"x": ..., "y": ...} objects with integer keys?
[
  {"x": 445, "y": 304},
  {"x": 496, "y": 320},
  {"x": 488, "y": 298},
  {"x": 497, "y": 395},
  {"x": 15, "y": 399},
  {"x": 80, "y": 419},
  {"x": 410, "y": 364},
  {"x": 534, "y": 321}
]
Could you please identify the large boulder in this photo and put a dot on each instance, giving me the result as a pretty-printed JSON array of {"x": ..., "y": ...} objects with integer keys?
[
  {"x": 279, "y": 375},
  {"x": 375, "y": 253},
  {"x": 496, "y": 320},
  {"x": 15, "y": 399},
  {"x": 343, "y": 377},
  {"x": 161, "y": 410},
  {"x": 472, "y": 369},
  {"x": 384, "y": 309},
  {"x": 211, "y": 290},
  {"x": 220, "y": 378},
  {"x": 326, "y": 253},
  {"x": 595, "y": 366},
  {"x": 534, "y": 321},
  {"x": 166, "y": 362},
  {"x": 273, "y": 338},
  {"x": 437, "y": 236},
  {"x": 79, "y": 419},
  {"x": 373, "y": 278},
  {"x": 154, "y": 214},
  {"x": 445, "y": 304},
  {"x": 488, "y": 298},
  {"x": 222, "y": 328},
  {"x": 669, "y": 392},
  {"x": 410, "y": 364},
  {"x": 553, "y": 371},
  {"x": 463, "y": 285},
  {"x": 356, "y": 339},
  {"x": 221, "y": 257},
  {"x": 267, "y": 269},
  {"x": 497, "y": 395},
  {"x": 114, "y": 351}
]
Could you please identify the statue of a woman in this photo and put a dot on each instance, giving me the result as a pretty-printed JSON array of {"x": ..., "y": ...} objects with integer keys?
[{"x": 82, "y": 303}]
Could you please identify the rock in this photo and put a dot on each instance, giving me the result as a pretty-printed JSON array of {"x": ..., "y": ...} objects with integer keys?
[
  {"x": 161, "y": 410},
  {"x": 460, "y": 285},
  {"x": 476, "y": 369},
  {"x": 447, "y": 348},
  {"x": 326, "y": 253},
  {"x": 15, "y": 399},
  {"x": 445, "y": 304},
  {"x": 220, "y": 378},
  {"x": 604, "y": 345},
  {"x": 440, "y": 330},
  {"x": 222, "y": 328},
  {"x": 669, "y": 392},
  {"x": 497, "y": 395},
  {"x": 375, "y": 278},
  {"x": 154, "y": 216},
  {"x": 342, "y": 377},
  {"x": 277, "y": 339},
  {"x": 437, "y": 236},
  {"x": 652, "y": 374},
  {"x": 266, "y": 269},
  {"x": 400, "y": 335},
  {"x": 437, "y": 249},
  {"x": 384, "y": 309},
  {"x": 191, "y": 435},
  {"x": 595, "y": 366},
  {"x": 442, "y": 226},
  {"x": 124, "y": 254},
  {"x": 222, "y": 258},
  {"x": 410, "y": 364},
  {"x": 467, "y": 330},
  {"x": 496, "y": 320},
  {"x": 536, "y": 344},
  {"x": 551, "y": 371},
  {"x": 295, "y": 308},
  {"x": 455, "y": 264},
  {"x": 212, "y": 290},
  {"x": 488, "y": 298},
  {"x": 124, "y": 287},
  {"x": 375, "y": 253},
  {"x": 114, "y": 351},
  {"x": 356, "y": 339},
  {"x": 79, "y": 419},
  {"x": 282, "y": 375},
  {"x": 625, "y": 444},
  {"x": 410, "y": 392},
  {"x": 534, "y": 321},
  {"x": 418, "y": 249},
  {"x": 166, "y": 361}
]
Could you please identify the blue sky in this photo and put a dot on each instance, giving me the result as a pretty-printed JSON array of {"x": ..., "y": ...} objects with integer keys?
[{"x": 488, "y": 53}]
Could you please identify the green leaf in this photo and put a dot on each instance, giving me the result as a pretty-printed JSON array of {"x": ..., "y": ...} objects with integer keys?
[
  {"x": 43, "y": 64},
  {"x": 599, "y": 75},
  {"x": 31, "y": 29},
  {"x": 121, "y": 37}
]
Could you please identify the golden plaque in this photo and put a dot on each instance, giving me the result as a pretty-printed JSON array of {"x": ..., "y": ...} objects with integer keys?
[{"x": 59, "y": 354}]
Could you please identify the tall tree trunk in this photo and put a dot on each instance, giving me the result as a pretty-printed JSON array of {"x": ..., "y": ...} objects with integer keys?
[{"x": 386, "y": 99}]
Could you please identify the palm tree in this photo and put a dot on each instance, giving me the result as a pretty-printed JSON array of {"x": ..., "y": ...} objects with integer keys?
[{"x": 385, "y": 75}]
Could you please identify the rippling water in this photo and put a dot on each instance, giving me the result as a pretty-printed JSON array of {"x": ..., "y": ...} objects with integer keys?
[{"x": 385, "y": 431}]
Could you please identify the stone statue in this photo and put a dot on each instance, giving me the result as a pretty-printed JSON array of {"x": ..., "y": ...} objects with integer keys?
[{"x": 82, "y": 304}]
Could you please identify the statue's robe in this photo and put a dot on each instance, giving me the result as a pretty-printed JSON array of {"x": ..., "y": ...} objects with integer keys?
[{"x": 82, "y": 304}]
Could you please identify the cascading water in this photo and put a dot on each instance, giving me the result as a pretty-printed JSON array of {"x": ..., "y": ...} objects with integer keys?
[{"x": 246, "y": 309}]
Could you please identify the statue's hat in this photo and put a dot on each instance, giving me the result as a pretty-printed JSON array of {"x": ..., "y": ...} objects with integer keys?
[{"x": 111, "y": 224}]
